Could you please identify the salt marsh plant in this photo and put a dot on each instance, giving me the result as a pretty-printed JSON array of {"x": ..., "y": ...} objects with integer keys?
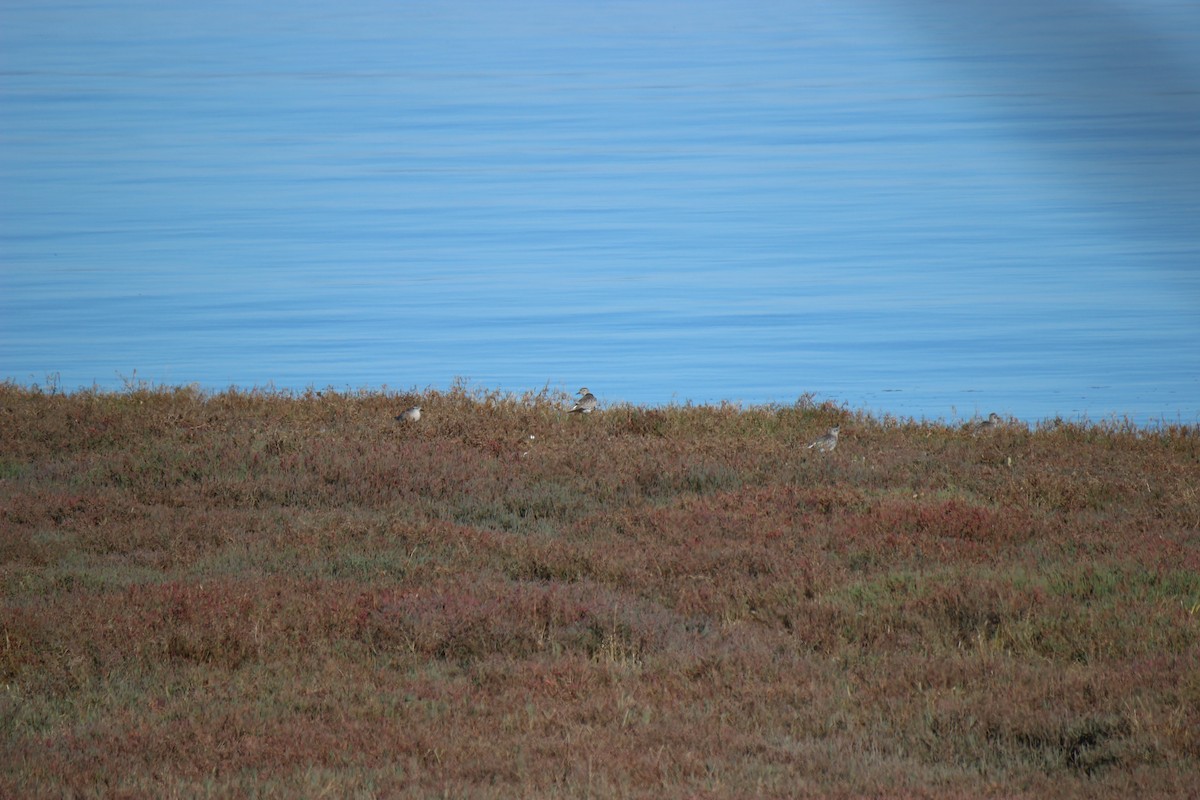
[{"x": 287, "y": 594}]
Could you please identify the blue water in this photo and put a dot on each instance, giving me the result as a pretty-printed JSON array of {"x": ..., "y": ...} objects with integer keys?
[{"x": 922, "y": 208}]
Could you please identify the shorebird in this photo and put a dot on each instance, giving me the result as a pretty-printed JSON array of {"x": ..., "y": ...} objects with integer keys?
[
  {"x": 826, "y": 441},
  {"x": 991, "y": 423},
  {"x": 410, "y": 415},
  {"x": 586, "y": 403}
]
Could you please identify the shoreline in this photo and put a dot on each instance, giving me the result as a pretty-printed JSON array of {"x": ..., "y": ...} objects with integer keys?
[{"x": 805, "y": 400}]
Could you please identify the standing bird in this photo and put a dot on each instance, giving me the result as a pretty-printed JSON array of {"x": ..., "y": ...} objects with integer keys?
[
  {"x": 827, "y": 441},
  {"x": 586, "y": 403},
  {"x": 411, "y": 415}
]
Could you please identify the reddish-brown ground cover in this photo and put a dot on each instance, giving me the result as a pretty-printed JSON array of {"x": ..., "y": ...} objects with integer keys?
[{"x": 267, "y": 594}]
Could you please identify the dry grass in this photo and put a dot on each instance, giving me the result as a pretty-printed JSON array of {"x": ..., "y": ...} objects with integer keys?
[{"x": 278, "y": 595}]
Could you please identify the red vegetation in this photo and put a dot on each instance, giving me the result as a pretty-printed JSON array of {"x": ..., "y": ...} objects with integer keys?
[{"x": 260, "y": 593}]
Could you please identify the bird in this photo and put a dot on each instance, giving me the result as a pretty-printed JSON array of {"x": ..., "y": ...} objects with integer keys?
[
  {"x": 826, "y": 441},
  {"x": 991, "y": 423},
  {"x": 410, "y": 415},
  {"x": 586, "y": 403},
  {"x": 525, "y": 445}
]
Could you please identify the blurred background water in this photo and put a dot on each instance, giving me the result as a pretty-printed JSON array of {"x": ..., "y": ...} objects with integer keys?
[{"x": 918, "y": 207}]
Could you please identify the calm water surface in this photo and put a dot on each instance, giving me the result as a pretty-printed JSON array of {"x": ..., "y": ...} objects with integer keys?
[{"x": 922, "y": 208}]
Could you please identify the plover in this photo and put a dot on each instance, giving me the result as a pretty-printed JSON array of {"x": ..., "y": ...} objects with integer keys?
[
  {"x": 827, "y": 441},
  {"x": 991, "y": 423},
  {"x": 411, "y": 415},
  {"x": 586, "y": 403}
]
